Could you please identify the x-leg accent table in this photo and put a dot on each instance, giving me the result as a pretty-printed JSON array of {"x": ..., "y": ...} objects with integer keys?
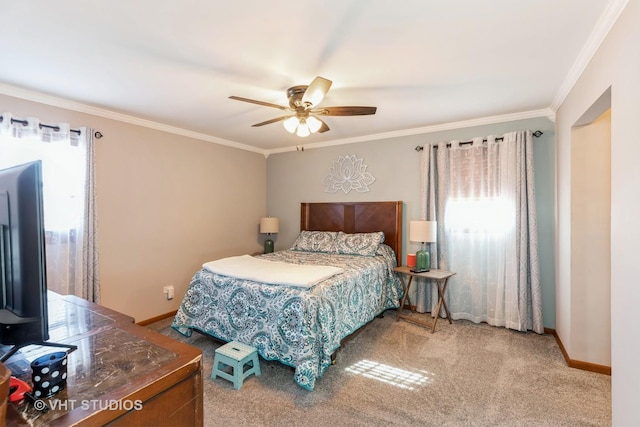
[{"x": 440, "y": 278}]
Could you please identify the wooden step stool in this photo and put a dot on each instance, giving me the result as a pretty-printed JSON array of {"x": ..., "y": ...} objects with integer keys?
[{"x": 237, "y": 356}]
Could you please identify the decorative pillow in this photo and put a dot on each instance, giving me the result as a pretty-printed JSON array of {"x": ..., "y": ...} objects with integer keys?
[
  {"x": 315, "y": 241},
  {"x": 365, "y": 244}
]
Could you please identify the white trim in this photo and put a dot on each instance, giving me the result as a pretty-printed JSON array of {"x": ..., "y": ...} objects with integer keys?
[
  {"x": 600, "y": 31},
  {"x": 545, "y": 112},
  {"x": 100, "y": 112}
]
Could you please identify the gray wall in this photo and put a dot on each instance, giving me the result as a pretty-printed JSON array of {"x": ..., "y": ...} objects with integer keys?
[{"x": 295, "y": 177}]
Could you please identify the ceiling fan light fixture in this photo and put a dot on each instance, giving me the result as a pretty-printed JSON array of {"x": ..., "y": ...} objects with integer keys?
[
  {"x": 291, "y": 124},
  {"x": 314, "y": 124},
  {"x": 303, "y": 129},
  {"x": 303, "y": 114}
]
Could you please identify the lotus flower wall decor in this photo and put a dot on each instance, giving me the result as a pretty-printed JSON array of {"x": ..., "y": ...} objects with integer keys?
[{"x": 348, "y": 173}]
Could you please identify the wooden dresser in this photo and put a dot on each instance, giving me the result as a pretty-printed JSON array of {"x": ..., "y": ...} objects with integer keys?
[{"x": 121, "y": 373}]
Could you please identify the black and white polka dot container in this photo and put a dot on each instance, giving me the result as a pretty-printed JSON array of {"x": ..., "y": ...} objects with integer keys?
[{"x": 49, "y": 374}]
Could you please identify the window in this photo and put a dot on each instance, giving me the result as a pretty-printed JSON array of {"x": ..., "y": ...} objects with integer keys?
[
  {"x": 63, "y": 176},
  {"x": 69, "y": 212},
  {"x": 486, "y": 216}
]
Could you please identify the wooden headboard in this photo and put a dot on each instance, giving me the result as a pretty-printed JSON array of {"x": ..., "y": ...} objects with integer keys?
[{"x": 356, "y": 217}]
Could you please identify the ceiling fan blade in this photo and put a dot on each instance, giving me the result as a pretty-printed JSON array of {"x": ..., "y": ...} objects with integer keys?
[
  {"x": 346, "y": 111},
  {"x": 316, "y": 91},
  {"x": 323, "y": 128},
  {"x": 268, "y": 122},
  {"x": 266, "y": 104}
]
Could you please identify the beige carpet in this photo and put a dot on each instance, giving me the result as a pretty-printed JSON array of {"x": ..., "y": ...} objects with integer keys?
[{"x": 397, "y": 373}]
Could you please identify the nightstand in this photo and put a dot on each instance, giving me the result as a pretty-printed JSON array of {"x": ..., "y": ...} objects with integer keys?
[{"x": 439, "y": 277}]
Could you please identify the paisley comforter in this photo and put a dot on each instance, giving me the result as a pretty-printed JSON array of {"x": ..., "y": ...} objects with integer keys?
[{"x": 301, "y": 328}]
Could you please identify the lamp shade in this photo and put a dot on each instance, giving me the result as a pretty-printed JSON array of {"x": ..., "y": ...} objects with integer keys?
[
  {"x": 291, "y": 124},
  {"x": 303, "y": 129},
  {"x": 423, "y": 231},
  {"x": 314, "y": 124},
  {"x": 302, "y": 126},
  {"x": 269, "y": 225}
]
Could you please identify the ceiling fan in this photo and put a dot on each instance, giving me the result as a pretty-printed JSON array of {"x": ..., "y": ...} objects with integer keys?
[{"x": 304, "y": 114}]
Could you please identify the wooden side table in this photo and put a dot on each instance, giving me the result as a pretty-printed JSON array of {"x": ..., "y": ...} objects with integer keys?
[{"x": 440, "y": 278}]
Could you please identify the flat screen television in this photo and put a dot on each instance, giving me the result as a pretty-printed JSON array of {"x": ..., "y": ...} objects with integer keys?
[
  {"x": 23, "y": 299},
  {"x": 23, "y": 278}
]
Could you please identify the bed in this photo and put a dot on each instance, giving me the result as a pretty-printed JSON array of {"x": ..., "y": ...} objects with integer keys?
[{"x": 302, "y": 326}]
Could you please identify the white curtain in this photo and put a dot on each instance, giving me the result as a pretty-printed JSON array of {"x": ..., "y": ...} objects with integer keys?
[
  {"x": 69, "y": 198},
  {"x": 483, "y": 197}
]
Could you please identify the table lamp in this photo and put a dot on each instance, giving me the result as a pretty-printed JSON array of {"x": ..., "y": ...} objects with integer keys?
[
  {"x": 423, "y": 232},
  {"x": 269, "y": 225}
]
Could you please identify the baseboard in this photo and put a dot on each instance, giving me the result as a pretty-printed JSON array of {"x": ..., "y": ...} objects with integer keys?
[
  {"x": 578, "y": 364},
  {"x": 157, "y": 318}
]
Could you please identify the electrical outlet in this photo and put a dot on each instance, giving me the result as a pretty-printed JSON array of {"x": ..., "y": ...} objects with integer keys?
[{"x": 169, "y": 291}]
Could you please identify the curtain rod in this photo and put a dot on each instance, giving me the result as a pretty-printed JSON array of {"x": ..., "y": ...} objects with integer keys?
[
  {"x": 536, "y": 134},
  {"x": 96, "y": 134}
]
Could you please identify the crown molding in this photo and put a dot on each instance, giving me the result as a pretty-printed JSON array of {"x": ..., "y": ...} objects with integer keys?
[
  {"x": 55, "y": 101},
  {"x": 545, "y": 112},
  {"x": 606, "y": 21}
]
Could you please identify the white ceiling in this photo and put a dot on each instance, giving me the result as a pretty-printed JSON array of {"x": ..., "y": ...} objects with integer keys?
[{"x": 424, "y": 63}]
